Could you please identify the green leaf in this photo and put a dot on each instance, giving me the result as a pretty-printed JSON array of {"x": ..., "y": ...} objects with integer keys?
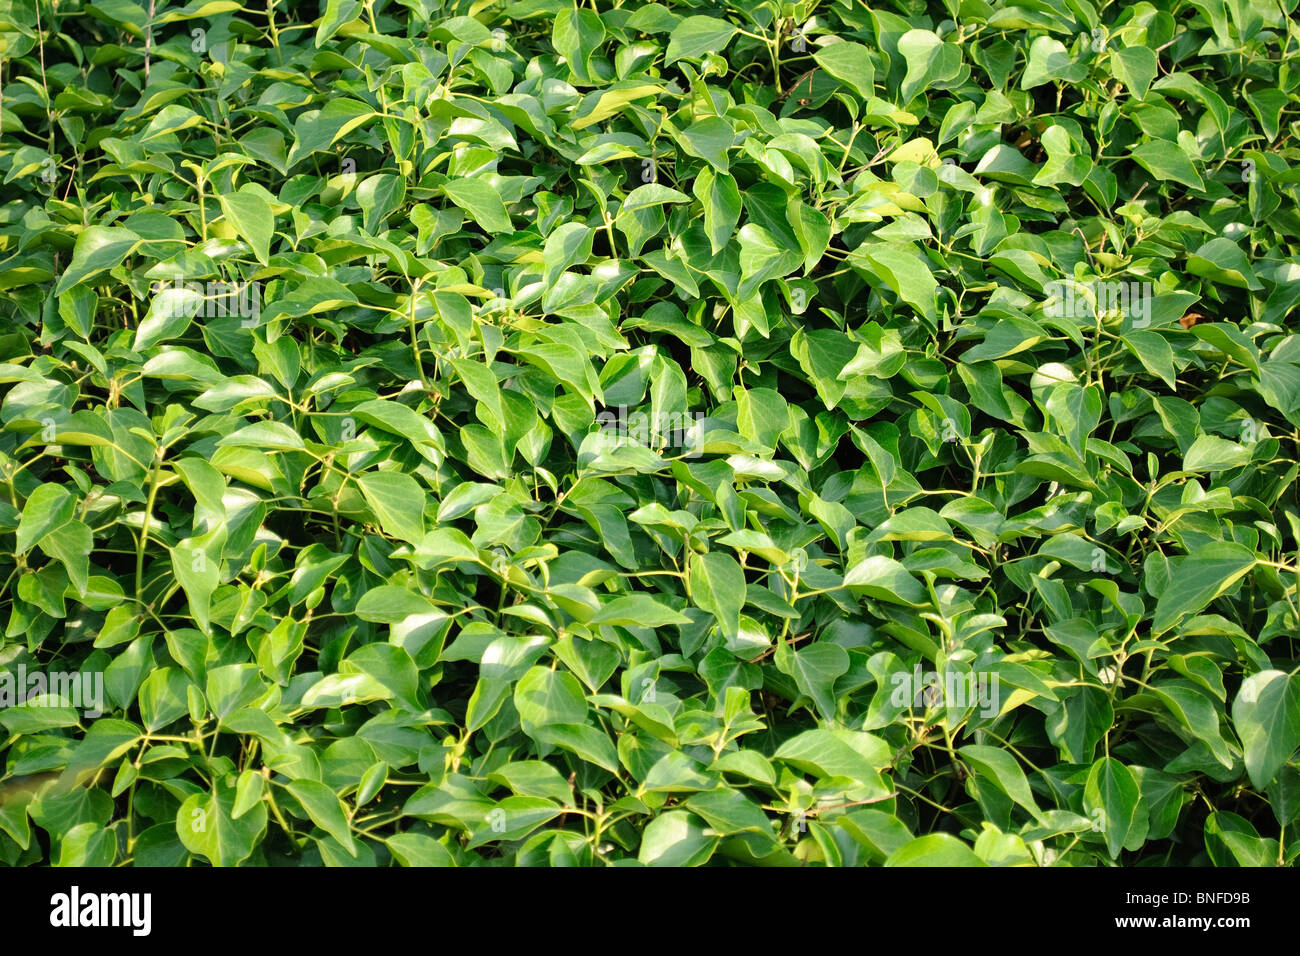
[
  {"x": 48, "y": 507},
  {"x": 1002, "y": 768},
  {"x": 1135, "y": 67},
  {"x": 317, "y": 130},
  {"x": 717, "y": 585},
  {"x": 337, "y": 13},
  {"x": 273, "y": 436},
  {"x": 695, "y": 36},
  {"x": 397, "y": 502},
  {"x": 709, "y": 139},
  {"x": 568, "y": 245},
  {"x": 87, "y": 844},
  {"x": 196, "y": 565},
  {"x": 850, "y": 63},
  {"x": 206, "y": 826},
  {"x": 325, "y": 809},
  {"x": 576, "y": 35},
  {"x": 1211, "y": 453},
  {"x": 886, "y": 579},
  {"x": 1197, "y": 579},
  {"x": 97, "y": 248},
  {"x": 1049, "y": 62},
  {"x": 828, "y": 753},
  {"x": 1266, "y": 714},
  {"x": 544, "y": 697},
  {"x": 1222, "y": 260},
  {"x": 1112, "y": 800},
  {"x": 418, "y": 849},
  {"x": 481, "y": 201},
  {"x": 935, "y": 849},
  {"x": 676, "y": 838},
  {"x": 906, "y": 275},
  {"x": 251, "y": 215},
  {"x": 815, "y": 669},
  {"x": 1230, "y": 840},
  {"x": 1168, "y": 163},
  {"x": 720, "y": 197},
  {"x": 638, "y": 610}
]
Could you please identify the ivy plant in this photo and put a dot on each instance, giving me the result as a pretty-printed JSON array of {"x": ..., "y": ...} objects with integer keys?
[{"x": 438, "y": 432}]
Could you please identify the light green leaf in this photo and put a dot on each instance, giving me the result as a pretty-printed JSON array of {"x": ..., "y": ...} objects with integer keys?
[
  {"x": 398, "y": 503},
  {"x": 206, "y": 826},
  {"x": 717, "y": 585},
  {"x": 325, "y": 809},
  {"x": 252, "y": 218},
  {"x": 1266, "y": 713}
]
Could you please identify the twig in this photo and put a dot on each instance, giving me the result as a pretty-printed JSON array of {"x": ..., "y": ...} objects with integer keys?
[
  {"x": 148, "y": 40},
  {"x": 772, "y": 650}
]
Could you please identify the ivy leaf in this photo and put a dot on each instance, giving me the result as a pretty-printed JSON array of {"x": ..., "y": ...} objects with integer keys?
[
  {"x": 717, "y": 585},
  {"x": 1112, "y": 800},
  {"x": 481, "y": 201},
  {"x": 1002, "y": 768},
  {"x": 325, "y": 809},
  {"x": 544, "y": 697},
  {"x": 638, "y": 610},
  {"x": 850, "y": 63},
  {"x": 697, "y": 35},
  {"x": 815, "y": 669},
  {"x": 252, "y": 218},
  {"x": 398, "y": 503},
  {"x": 1167, "y": 162},
  {"x": 1197, "y": 579},
  {"x": 676, "y": 838},
  {"x": 206, "y": 826},
  {"x": 1266, "y": 713},
  {"x": 934, "y": 849},
  {"x": 97, "y": 248},
  {"x": 886, "y": 579},
  {"x": 317, "y": 130}
]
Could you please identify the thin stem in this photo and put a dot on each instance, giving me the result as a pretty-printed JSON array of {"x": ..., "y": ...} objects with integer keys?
[{"x": 144, "y": 525}]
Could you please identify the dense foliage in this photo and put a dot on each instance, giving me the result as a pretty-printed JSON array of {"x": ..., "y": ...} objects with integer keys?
[{"x": 779, "y": 433}]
